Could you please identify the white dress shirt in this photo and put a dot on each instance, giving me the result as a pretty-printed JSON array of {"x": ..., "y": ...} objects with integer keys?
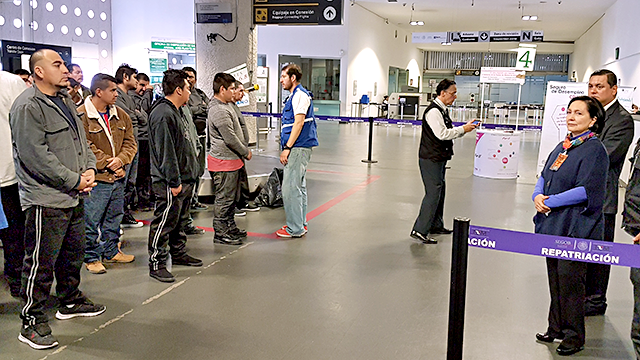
[{"x": 436, "y": 122}]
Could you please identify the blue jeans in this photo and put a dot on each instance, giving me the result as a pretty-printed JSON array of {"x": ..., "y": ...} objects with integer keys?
[
  {"x": 103, "y": 211},
  {"x": 294, "y": 189}
]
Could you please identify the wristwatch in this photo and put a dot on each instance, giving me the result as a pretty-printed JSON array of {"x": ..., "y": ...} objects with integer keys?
[{"x": 286, "y": 147}]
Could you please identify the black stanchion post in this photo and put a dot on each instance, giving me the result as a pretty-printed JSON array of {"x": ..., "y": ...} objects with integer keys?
[
  {"x": 457, "y": 297},
  {"x": 368, "y": 160}
]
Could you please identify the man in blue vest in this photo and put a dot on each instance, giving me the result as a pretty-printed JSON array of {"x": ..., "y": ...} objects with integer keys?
[
  {"x": 298, "y": 137},
  {"x": 436, "y": 148}
]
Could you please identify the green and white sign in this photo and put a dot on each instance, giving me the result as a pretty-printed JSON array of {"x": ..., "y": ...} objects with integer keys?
[
  {"x": 169, "y": 45},
  {"x": 158, "y": 65},
  {"x": 526, "y": 58}
]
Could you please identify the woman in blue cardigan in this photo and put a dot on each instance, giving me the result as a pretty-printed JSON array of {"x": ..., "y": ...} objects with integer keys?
[{"x": 569, "y": 197}]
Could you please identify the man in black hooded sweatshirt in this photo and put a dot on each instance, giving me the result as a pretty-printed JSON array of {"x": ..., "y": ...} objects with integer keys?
[{"x": 174, "y": 147}]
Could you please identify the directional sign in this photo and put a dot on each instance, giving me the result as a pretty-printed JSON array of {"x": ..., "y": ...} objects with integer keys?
[
  {"x": 503, "y": 36},
  {"x": 484, "y": 36},
  {"x": 297, "y": 12},
  {"x": 429, "y": 38},
  {"x": 526, "y": 58}
]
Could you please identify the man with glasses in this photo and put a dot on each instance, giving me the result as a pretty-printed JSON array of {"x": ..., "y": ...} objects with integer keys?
[{"x": 436, "y": 148}]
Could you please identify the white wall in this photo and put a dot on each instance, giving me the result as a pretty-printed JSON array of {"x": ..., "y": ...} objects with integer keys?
[
  {"x": 326, "y": 42},
  {"x": 366, "y": 45},
  {"x": 373, "y": 47},
  {"x": 135, "y": 23},
  {"x": 596, "y": 48}
]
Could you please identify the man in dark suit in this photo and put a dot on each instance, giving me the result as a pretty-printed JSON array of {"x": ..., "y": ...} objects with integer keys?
[{"x": 616, "y": 136}]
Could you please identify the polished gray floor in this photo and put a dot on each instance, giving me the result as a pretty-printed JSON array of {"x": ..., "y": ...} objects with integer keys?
[{"x": 355, "y": 287}]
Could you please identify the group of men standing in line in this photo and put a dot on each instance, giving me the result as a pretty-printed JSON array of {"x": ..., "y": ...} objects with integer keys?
[
  {"x": 436, "y": 148},
  {"x": 74, "y": 161}
]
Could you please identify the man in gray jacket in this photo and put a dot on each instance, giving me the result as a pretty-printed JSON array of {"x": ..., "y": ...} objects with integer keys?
[
  {"x": 55, "y": 169},
  {"x": 126, "y": 78},
  {"x": 225, "y": 160}
]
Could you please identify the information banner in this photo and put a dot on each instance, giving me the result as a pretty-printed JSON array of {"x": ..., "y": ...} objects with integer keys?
[
  {"x": 496, "y": 154},
  {"x": 240, "y": 72},
  {"x": 554, "y": 123},
  {"x": 501, "y": 75},
  {"x": 158, "y": 65},
  {"x": 625, "y": 96},
  {"x": 552, "y": 246}
]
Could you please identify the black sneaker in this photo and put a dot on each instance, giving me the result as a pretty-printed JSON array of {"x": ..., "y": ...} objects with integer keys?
[
  {"x": 186, "y": 260},
  {"x": 250, "y": 207},
  {"x": 238, "y": 232},
  {"x": 86, "y": 309},
  {"x": 226, "y": 240},
  {"x": 198, "y": 206},
  {"x": 423, "y": 238},
  {"x": 192, "y": 230},
  {"x": 162, "y": 274},
  {"x": 128, "y": 221},
  {"x": 38, "y": 336},
  {"x": 238, "y": 212}
]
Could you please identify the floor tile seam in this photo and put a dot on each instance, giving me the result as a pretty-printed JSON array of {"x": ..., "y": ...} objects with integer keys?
[{"x": 146, "y": 302}]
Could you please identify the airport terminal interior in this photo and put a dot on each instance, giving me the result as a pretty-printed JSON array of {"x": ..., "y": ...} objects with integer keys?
[{"x": 356, "y": 286}]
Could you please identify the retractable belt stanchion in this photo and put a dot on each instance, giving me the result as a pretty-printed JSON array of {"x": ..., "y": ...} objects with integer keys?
[
  {"x": 368, "y": 160},
  {"x": 457, "y": 297}
]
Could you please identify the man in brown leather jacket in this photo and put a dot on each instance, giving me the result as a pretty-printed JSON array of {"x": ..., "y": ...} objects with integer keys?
[{"x": 110, "y": 136}]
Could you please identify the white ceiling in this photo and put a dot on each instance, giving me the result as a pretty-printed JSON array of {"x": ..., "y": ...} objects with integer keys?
[{"x": 562, "y": 21}]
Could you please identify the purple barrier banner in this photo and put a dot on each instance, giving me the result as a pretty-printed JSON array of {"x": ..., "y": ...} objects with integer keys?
[{"x": 559, "y": 247}]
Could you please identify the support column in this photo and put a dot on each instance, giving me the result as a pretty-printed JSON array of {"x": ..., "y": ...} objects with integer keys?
[{"x": 213, "y": 56}]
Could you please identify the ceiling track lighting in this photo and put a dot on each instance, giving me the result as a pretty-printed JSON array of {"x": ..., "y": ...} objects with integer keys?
[
  {"x": 526, "y": 17},
  {"x": 414, "y": 22}
]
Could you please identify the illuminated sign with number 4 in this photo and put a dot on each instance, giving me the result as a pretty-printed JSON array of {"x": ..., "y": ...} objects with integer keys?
[{"x": 526, "y": 58}]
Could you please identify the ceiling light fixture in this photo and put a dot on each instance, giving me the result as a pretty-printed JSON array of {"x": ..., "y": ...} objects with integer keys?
[{"x": 414, "y": 22}]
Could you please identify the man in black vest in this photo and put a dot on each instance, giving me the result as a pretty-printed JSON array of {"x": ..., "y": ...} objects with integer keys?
[
  {"x": 616, "y": 136},
  {"x": 436, "y": 148}
]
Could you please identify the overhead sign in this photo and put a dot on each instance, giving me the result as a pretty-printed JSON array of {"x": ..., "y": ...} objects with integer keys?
[
  {"x": 526, "y": 58},
  {"x": 297, "y": 12},
  {"x": 207, "y": 13},
  {"x": 501, "y": 75},
  {"x": 477, "y": 36},
  {"x": 503, "y": 36},
  {"x": 9, "y": 49},
  {"x": 169, "y": 45},
  {"x": 429, "y": 38}
]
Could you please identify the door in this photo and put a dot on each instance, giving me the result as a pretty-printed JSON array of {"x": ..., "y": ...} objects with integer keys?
[{"x": 282, "y": 61}]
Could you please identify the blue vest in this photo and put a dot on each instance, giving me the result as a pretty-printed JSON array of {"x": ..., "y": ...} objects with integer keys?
[{"x": 309, "y": 135}]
